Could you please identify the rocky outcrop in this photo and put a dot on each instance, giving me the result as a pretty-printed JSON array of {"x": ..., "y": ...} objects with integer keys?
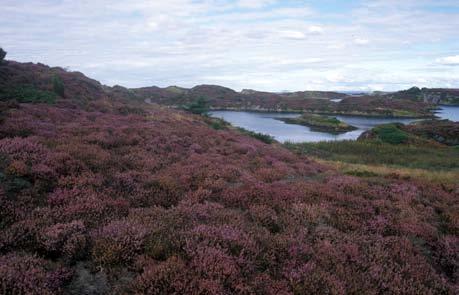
[{"x": 428, "y": 95}]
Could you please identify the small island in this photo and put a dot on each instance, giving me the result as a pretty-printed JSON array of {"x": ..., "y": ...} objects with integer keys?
[{"x": 320, "y": 123}]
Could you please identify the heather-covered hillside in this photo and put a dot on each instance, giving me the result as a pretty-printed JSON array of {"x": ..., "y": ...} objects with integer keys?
[
  {"x": 218, "y": 97},
  {"x": 112, "y": 196}
]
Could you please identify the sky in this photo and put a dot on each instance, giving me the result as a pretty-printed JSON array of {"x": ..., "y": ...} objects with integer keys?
[{"x": 269, "y": 45}]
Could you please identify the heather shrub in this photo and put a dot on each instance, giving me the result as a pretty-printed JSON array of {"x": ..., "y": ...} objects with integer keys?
[
  {"x": 85, "y": 204},
  {"x": 165, "y": 192},
  {"x": 265, "y": 216},
  {"x": 25, "y": 274},
  {"x": 231, "y": 239},
  {"x": 218, "y": 269},
  {"x": 168, "y": 277},
  {"x": 93, "y": 156},
  {"x": 167, "y": 227},
  {"x": 68, "y": 239},
  {"x": 118, "y": 242},
  {"x": 447, "y": 256}
]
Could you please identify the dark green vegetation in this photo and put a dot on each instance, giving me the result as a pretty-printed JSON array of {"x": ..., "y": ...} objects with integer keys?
[
  {"x": 58, "y": 85},
  {"x": 320, "y": 123},
  {"x": 199, "y": 107},
  {"x": 390, "y": 133},
  {"x": 27, "y": 94},
  {"x": 2, "y": 55}
]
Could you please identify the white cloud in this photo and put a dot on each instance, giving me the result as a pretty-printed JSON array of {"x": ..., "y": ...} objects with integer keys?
[
  {"x": 449, "y": 60},
  {"x": 294, "y": 35},
  {"x": 360, "y": 41},
  {"x": 254, "y": 3},
  {"x": 260, "y": 44},
  {"x": 315, "y": 30}
]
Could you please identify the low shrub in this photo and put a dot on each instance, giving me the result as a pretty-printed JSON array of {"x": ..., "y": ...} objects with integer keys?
[
  {"x": 390, "y": 133},
  {"x": 26, "y": 274},
  {"x": 118, "y": 242},
  {"x": 27, "y": 94}
]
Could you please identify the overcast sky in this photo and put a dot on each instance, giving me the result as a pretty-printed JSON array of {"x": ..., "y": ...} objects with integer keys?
[{"x": 268, "y": 45}]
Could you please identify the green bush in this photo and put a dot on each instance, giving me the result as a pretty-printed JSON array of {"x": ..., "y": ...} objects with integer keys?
[
  {"x": 27, "y": 94},
  {"x": 58, "y": 85},
  {"x": 198, "y": 107},
  {"x": 390, "y": 133}
]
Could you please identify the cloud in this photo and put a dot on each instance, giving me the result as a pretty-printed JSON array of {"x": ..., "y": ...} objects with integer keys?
[
  {"x": 294, "y": 35},
  {"x": 315, "y": 30},
  {"x": 449, "y": 60},
  {"x": 360, "y": 41},
  {"x": 254, "y": 3},
  {"x": 261, "y": 44}
]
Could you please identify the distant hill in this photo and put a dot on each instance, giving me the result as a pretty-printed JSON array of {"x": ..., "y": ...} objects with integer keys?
[
  {"x": 429, "y": 95},
  {"x": 413, "y": 102}
]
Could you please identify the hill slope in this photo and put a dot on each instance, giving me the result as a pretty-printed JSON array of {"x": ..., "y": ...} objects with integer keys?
[{"x": 112, "y": 196}]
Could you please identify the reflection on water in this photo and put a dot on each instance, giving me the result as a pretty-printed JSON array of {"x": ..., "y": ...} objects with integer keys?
[{"x": 266, "y": 123}]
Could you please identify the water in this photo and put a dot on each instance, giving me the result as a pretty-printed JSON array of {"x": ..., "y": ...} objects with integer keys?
[
  {"x": 266, "y": 123},
  {"x": 449, "y": 112}
]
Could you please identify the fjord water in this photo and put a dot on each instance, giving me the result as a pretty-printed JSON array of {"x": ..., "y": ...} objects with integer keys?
[
  {"x": 449, "y": 112},
  {"x": 268, "y": 124}
]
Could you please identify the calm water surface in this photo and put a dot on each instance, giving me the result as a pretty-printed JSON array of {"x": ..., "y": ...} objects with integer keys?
[
  {"x": 266, "y": 123},
  {"x": 449, "y": 112}
]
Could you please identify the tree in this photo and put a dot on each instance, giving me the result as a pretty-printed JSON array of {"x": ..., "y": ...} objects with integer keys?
[
  {"x": 58, "y": 85},
  {"x": 2, "y": 54}
]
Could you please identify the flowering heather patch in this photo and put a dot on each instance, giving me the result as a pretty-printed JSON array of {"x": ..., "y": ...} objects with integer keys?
[
  {"x": 25, "y": 274},
  {"x": 158, "y": 202}
]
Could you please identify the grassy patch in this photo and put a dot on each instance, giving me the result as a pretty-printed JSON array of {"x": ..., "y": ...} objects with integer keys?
[
  {"x": 320, "y": 123},
  {"x": 368, "y": 171},
  {"x": 375, "y": 152}
]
